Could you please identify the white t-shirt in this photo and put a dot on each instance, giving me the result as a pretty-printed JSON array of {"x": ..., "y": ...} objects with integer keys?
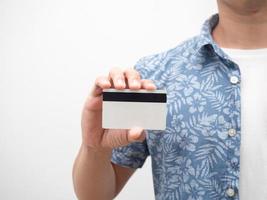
[{"x": 253, "y": 152}]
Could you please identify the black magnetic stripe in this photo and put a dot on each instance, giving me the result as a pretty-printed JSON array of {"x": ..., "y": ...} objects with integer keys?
[{"x": 135, "y": 97}]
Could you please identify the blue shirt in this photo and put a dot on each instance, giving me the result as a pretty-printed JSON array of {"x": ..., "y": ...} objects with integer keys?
[{"x": 197, "y": 156}]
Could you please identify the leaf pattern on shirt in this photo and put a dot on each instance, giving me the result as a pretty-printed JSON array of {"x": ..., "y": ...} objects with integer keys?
[{"x": 194, "y": 158}]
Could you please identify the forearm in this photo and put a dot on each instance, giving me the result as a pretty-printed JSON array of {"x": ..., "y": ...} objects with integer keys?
[{"x": 93, "y": 175}]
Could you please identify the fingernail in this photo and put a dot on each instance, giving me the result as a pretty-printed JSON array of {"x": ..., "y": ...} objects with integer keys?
[
  {"x": 151, "y": 85},
  {"x": 136, "y": 82},
  {"x": 120, "y": 82},
  {"x": 137, "y": 129},
  {"x": 106, "y": 81}
]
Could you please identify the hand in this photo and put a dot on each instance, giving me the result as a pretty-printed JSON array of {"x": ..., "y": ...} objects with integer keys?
[{"x": 93, "y": 135}]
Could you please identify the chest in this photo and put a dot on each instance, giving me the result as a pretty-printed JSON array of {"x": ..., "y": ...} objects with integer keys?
[{"x": 203, "y": 107}]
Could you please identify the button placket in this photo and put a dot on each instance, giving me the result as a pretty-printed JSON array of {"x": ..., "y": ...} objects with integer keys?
[
  {"x": 230, "y": 192},
  {"x": 234, "y": 79},
  {"x": 232, "y": 132}
]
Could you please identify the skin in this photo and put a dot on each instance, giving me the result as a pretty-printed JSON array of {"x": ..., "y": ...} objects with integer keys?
[
  {"x": 242, "y": 25},
  {"x": 94, "y": 176}
]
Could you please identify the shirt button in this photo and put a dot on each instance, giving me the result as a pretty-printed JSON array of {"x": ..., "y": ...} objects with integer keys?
[
  {"x": 234, "y": 79},
  {"x": 231, "y": 132},
  {"x": 230, "y": 192}
]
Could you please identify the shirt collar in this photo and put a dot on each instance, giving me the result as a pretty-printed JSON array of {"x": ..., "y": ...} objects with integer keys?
[{"x": 206, "y": 39}]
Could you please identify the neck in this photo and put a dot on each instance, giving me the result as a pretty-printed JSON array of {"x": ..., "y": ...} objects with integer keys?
[{"x": 241, "y": 30}]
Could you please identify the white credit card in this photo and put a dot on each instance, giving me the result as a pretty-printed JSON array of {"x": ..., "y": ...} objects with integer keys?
[{"x": 124, "y": 109}]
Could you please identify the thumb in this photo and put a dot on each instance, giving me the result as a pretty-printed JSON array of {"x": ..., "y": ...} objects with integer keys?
[{"x": 136, "y": 134}]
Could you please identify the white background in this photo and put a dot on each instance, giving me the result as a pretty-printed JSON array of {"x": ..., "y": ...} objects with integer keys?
[{"x": 50, "y": 53}]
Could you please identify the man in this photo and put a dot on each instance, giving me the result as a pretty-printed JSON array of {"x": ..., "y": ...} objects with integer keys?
[{"x": 214, "y": 146}]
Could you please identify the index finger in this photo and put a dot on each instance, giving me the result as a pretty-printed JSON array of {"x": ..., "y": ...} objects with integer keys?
[{"x": 101, "y": 82}]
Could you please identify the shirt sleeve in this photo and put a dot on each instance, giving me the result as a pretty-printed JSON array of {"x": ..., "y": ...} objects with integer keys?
[{"x": 134, "y": 155}]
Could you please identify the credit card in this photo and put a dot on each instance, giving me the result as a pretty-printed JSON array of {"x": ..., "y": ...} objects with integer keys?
[{"x": 124, "y": 109}]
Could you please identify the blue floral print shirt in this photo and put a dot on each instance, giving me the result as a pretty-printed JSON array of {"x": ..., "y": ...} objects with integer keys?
[{"x": 197, "y": 156}]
